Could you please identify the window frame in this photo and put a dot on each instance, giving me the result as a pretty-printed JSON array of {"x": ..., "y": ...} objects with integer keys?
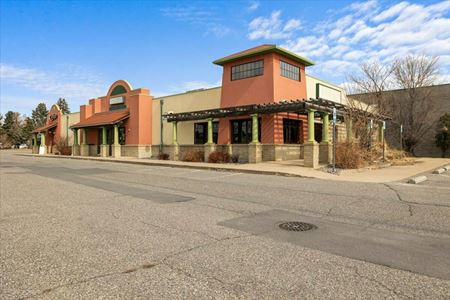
[
  {"x": 249, "y": 70},
  {"x": 215, "y": 124},
  {"x": 290, "y": 71},
  {"x": 249, "y": 124},
  {"x": 288, "y": 127}
]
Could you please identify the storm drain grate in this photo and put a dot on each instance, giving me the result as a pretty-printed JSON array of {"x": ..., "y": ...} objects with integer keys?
[{"x": 297, "y": 226}]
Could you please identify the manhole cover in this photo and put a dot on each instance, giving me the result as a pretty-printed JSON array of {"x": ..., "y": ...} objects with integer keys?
[{"x": 297, "y": 226}]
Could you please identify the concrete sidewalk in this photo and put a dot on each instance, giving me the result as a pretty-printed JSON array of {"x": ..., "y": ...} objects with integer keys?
[{"x": 286, "y": 168}]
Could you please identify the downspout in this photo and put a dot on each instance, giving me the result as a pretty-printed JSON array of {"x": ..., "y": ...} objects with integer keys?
[{"x": 161, "y": 142}]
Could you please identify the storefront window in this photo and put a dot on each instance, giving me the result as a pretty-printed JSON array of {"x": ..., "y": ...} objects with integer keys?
[
  {"x": 291, "y": 131},
  {"x": 201, "y": 132},
  {"x": 241, "y": 131},
  {"x": 122, "y": 135}
]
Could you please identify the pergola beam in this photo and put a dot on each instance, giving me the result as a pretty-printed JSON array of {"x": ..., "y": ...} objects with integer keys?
[{"x": 297, "y": 106}]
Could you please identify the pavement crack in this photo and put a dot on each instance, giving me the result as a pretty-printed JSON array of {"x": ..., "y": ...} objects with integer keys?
[
  {"x": 392, "y": 290},
  {"x": 77, "y": 282},
  {"x": 399, "y": 198}
]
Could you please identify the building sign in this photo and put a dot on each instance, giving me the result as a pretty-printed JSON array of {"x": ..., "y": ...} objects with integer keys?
[
  {"x": 53, "y": 117},
  {"x": 116, "y": 100}
]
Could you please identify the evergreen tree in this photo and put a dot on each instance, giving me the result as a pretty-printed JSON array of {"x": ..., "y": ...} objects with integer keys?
[
  {"x": 27, "y": 128},
  {"x": 39, "y": 115},
  {"x": 62, "y": 103},
  {"x": 12, "y": 128}
]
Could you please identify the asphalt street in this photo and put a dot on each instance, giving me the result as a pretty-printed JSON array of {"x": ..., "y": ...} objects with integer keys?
[{"x": 75, "y": 229}]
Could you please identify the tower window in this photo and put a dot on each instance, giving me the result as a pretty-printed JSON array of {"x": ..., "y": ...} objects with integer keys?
[
  {"x": 251, "y": 69},
  {"x": 289, "y": 71}
]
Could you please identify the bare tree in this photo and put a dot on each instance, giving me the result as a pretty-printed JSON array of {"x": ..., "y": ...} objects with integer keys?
[
  {"x": 409, "y": 107},
  {"x": 414, "y": 109},
  {"x": 368, "y": 102}
]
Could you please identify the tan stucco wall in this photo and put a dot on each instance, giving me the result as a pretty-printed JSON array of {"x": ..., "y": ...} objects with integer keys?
[
  {"x": 327, "y": 91},
  {"x": 185, "y": 102},
  {"x": 66, "y": 121}
]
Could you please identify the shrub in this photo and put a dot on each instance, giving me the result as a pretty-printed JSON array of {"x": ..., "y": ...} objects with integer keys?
[
  {"x": 350, "y": 155},
  {"x": 63, "y": 148},
  {"x": 235, "y": 158},
  {"x": 194, "y": 156},
  {"x": 163, "y": 156},
  {"x": 218, "y": 157}
]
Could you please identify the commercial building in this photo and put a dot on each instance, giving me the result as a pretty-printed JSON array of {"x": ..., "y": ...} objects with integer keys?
[
  {"x": 45, "y": 139},
  {"x": 267, "y": 108}
]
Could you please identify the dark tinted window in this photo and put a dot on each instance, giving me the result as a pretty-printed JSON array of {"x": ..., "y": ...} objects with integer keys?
[
  {"x": 201, "y": 132},
  {"x": 291, "y": 131},
  {"x": 289, "y": 71},
  {"x": 241, "y": 131},
  {"x": 247, "y": 70}
]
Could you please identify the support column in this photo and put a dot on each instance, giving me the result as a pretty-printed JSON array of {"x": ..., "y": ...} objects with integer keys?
[
  {"x": 255, "y": 147},
  {"x": 325, "y": 147},
  {"x": 209, "y": 146},
  {"x": 43, "y": 147},
  {"x": 104, "y": 146},
  {"x": 311, "y": 126},
  {"x": 174, "y": 149},
  {"x": 84, "y": 148},
  {"x": 349, "y": 130},
  {"x": 210, "y": 131},
  {"x": 255, "y": 129},
  {"x": 311, "y": 151},
  {"x": 116, "y": 149},
  {"x": 75, "y": 146}
]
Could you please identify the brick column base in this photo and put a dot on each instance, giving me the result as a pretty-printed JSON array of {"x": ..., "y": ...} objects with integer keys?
[
  {"x": 325, "y": 153},
  {"x": 75, "y": 150},
  {"x": 84, "y": 150},
  {"x": 116, "y": 151},
  {"x": 311, "y": 156},
  {"x": 104, "y": 149},
  {"x": 254, "y": 153}
]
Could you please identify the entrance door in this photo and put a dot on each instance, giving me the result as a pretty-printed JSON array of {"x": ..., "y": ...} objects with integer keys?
[
  {"x": 110, "y": 138},
  {"x": 99, "y": 139}
]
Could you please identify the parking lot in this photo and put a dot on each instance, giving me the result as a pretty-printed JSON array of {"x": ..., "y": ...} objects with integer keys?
[{"x": 84, "y": 229}]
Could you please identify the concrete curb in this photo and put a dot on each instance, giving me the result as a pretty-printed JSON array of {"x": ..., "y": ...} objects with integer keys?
[
  {"x": 417, "y": 179},
  {"x": 439, "y": 171},
  {"x": 157, "y": 164}
]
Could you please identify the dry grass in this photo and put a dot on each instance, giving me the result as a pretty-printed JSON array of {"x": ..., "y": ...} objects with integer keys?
[
  {"x": 350, "y": 156},
  {"x": 353, "y": 156},
  {"x": 194, "y": 156}
]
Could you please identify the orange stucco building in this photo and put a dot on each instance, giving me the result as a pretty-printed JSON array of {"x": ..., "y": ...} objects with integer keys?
[
  {"x": 131, "y": 122},
  {"x": 269, "y": 86},
  {"x": 116, "y": 124}
]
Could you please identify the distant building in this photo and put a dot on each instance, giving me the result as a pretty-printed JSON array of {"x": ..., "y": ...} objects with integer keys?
[{"x": 439, "y": 99}]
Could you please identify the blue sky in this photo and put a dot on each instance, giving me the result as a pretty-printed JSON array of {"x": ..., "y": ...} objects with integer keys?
[{"x": 76, "y": 49}]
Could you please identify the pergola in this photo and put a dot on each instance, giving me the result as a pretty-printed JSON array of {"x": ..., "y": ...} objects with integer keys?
[{"x": 310, "y": 107}]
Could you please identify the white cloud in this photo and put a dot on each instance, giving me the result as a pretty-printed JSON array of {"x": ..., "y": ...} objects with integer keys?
[
  {"x": 364, "y": 6},
  {"x": 368, "y": 31},
  {"x": 72, "y": 81},
  {"x": 272, "y": 27},
  {"x": 254, "y": 5},
  {"x": 391, "y": 12},
  {"x": 23, "y": 87},
  {"x": 208, "y": 19}
]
